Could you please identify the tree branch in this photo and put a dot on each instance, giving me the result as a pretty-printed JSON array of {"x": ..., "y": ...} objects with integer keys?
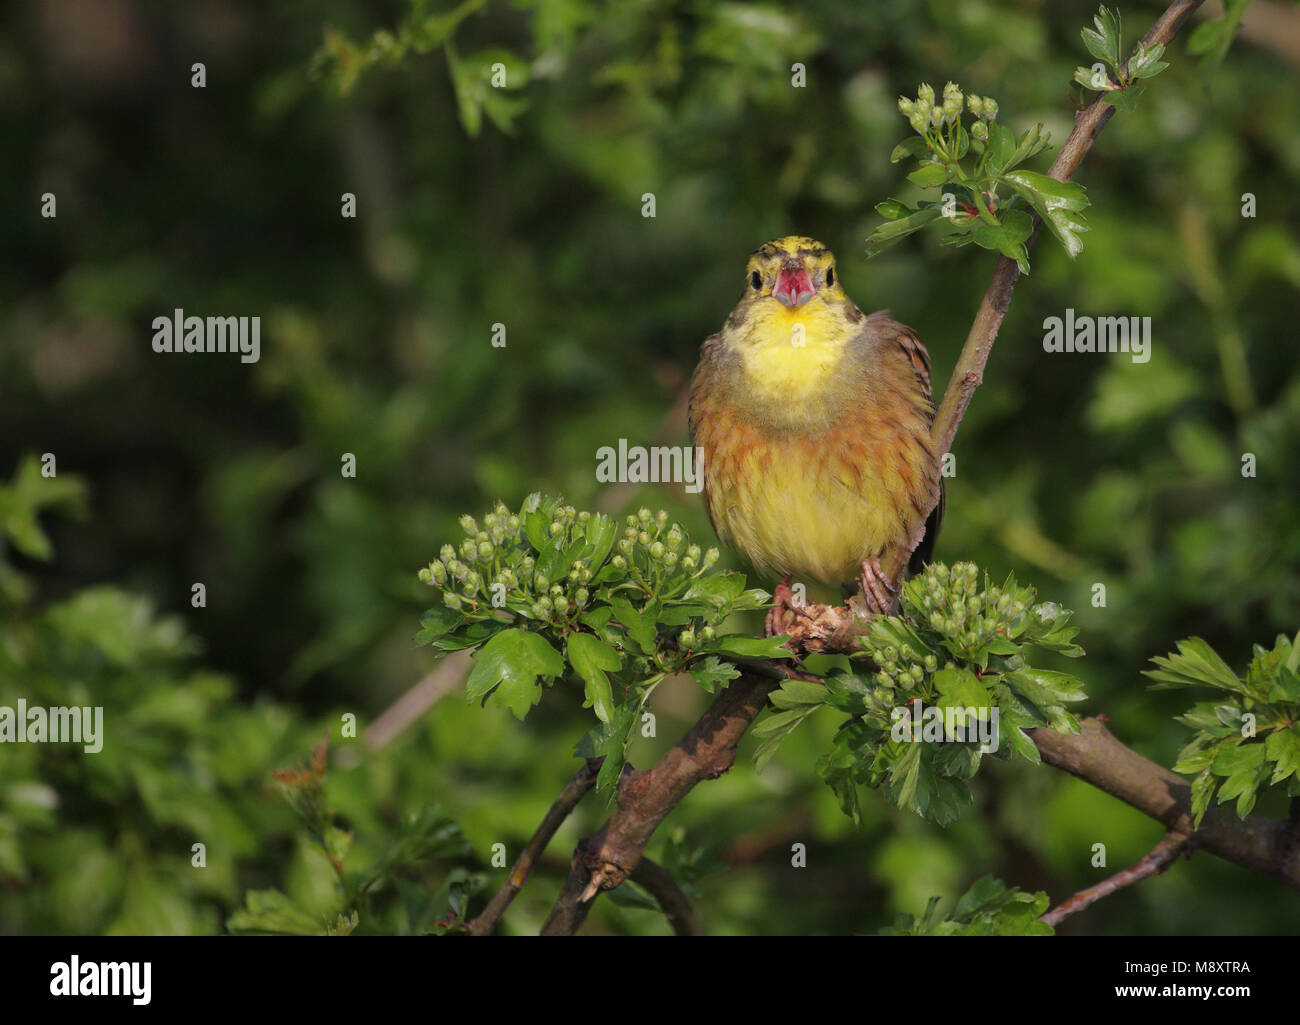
[
  {"x": 663, "y": 887},
  {"x": 1159, "y": 859},
  {"x": 604, "y": 860},
  {"x": 1097, "y": 758},
  {"x": 576, "y": 789}
]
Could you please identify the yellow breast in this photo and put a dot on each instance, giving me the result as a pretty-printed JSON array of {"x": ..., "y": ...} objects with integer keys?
[{"x": 813, "y": 459}]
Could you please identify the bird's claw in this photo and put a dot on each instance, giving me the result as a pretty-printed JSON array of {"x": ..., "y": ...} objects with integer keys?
[
  {"x": 783, "y": 596},
  {"x": 878, "y": 590}
]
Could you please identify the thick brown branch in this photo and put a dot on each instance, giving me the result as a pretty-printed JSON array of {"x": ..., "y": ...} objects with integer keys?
[
  {"x": 1155, "y": 862},
  {"x": 1097, "y": 758},
  {"x": 576, "y": 789},
  {"x": 604, "y": 860},
  {"x": 663, "y": 887}
]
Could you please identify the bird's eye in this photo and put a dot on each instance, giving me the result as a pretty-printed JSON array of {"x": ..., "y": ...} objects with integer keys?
[
  {"x": 830, "y": 276},
  {"x": 756, "y": 280}
]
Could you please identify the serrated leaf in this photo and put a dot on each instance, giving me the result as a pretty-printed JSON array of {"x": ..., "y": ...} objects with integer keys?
[
  {"x": 1057, "y": 203},
  {"x": 507, "y": 669},
  {"x": 640, "y": 627},
  {"x": 713, "y": 673},
  {"x": 609, "y": 741},
  {"x": 1146, "y": 63},
  {"x": 1105, "y": 40},
  {"x": 593, "y": 659},
  {"x": 1195, "y": 664},
  {"x": 1203, "y": 788},
  {"x": 1283, "y": 748},
  {"x": 437, "y": 623},
  {"x": 271, "y": 912}
]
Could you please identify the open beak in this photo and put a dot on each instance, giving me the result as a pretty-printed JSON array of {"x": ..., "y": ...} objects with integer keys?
[{"x": 794, "y": 286}]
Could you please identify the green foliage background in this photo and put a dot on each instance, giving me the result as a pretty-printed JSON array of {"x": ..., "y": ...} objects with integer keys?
[{"x": 523, "y": 207}]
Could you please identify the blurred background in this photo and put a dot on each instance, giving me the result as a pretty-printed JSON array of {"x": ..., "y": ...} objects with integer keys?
[{"x": 523, "y": 206}]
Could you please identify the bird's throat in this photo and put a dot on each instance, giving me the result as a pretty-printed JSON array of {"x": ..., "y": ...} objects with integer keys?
[{"x": 792, "y": 355}]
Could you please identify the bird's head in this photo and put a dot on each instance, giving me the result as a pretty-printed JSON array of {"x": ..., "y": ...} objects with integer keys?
[{"x": 791, "y": 271}]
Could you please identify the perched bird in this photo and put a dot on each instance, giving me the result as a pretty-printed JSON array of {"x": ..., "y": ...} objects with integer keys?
[{"x": 814, "y": 422}]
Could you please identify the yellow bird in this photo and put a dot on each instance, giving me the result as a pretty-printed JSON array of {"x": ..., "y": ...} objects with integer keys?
[{"x": 814, "y": 422}]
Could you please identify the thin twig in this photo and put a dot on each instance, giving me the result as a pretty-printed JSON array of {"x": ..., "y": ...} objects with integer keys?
[
  {"x": 672, "y": 902},
  {"x": 1160, "y": 858},
  {"x": 576, "y": 789}
]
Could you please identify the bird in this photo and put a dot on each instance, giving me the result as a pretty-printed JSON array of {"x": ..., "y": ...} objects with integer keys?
[{"x": 813, "y": 423}]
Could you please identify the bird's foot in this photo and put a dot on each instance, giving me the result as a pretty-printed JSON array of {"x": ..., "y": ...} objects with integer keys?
[
  {"x": 784, "y": 597},
  {"x": 878, "y": 590}
]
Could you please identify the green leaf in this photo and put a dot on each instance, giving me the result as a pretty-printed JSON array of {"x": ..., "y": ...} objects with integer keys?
[
  {"x": 609, "y": 741},
  {"x": 904, "y": 776},
  {"x": 718, "y": 591},
  {"x": 537, "y": 513},
  {"x": 743, "y": 646},
  {"x": 1214, "y": 38},
  {"x": 848, "y": 692},
  {"x": 1105, "y": 41},
  {"x": 437, "y": 623},
  {"x": 508, "y": 667},
  {"x": 1001, "y": 144},
  {"x": 592, "y": 659},
  {"x": 1124, "y": 99},
  {"x": 961, "y": 689},
  {"x": 1195, "y": 664},
  {"x": 641, "y": 628},
  {"x": 911, "y": 147},
  {"x": 1203, "y": 788},
  {"x": 1033, "y": 142},
  {"x": 601, "y": 534},
  {"x": 960, "y": 141},
  {"x": 713, "y": 673},
  {"x": 1236, "y": 758},
  {"x": 893, "y": 209},
  {"x": 469, "y": 635},
  {"x": 893, "y": 232},
  {"x": 775, "y": 728},
  {"x": 1094, "y": 78},
  {"x": 1146, "y": 63},
  {"x": 1283, "y": 747},
  {"x": 22, "y": 501},
  {"x": 555, "y": 560},
  {"x": 469, "y": 96},
  {"x": 929, "y": 175},
  {"x": 1057, "y": 203},
  {"x": 1007, "y": 237},
  {"x": 271, "y": 912}
]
